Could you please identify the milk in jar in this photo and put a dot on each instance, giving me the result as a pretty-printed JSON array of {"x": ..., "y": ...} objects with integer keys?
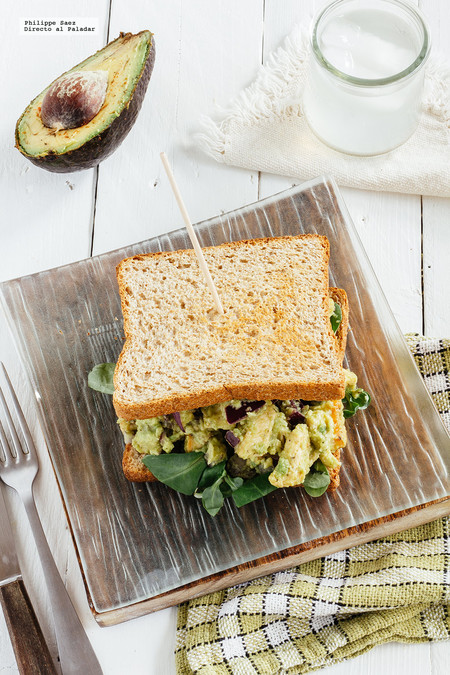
[{"x": 363, "y": 94}]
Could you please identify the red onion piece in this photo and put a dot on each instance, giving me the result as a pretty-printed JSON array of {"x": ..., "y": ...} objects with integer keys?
[
  {"x": 232, "y": 439},
  {"x": 177, "y": 417},
  {"x": 296, "y": 417},
  {"x": 234, "y": 415}
]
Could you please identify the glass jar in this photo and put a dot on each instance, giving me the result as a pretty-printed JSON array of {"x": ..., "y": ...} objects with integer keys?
[{"x": 366, "y": 69}]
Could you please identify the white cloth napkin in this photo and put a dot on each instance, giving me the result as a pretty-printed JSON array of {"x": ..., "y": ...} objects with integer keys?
[{"x": 265, "y": 130}]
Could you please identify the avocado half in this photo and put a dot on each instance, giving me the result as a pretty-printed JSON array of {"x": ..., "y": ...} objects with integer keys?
[{"x": 128, "y": 60}]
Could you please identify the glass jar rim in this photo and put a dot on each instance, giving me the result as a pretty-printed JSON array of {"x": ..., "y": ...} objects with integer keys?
[{"x": 418, "y": 62}]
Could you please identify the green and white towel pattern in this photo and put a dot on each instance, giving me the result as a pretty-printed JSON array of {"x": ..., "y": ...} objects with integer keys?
[{"x": 334, "y": 608}]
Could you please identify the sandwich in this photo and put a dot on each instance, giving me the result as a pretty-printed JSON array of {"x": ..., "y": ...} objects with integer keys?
[{"x": 242, "y": 403}]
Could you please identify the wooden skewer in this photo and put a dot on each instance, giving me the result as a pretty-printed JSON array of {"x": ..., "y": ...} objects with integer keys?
[{"x": 192, "y": 235}]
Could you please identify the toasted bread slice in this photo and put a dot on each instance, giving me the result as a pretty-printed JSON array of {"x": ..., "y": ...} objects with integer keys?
[
  {"x": 274, "y": 340},
  {"x": 340, "y": 296},
  {"x": 136, "y": 471},
  {"x": 334, "y": 475},
  {"x": 133, "y": 466}
]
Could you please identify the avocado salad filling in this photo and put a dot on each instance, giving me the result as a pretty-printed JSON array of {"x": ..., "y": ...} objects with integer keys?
[{"x": 257, "y": 444}]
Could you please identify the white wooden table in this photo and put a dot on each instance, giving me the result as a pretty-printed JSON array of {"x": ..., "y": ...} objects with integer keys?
[{"x": 207, "y": 51}]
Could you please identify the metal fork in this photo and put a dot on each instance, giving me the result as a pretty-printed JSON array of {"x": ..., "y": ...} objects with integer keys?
[{"x": 18, "y": 469}]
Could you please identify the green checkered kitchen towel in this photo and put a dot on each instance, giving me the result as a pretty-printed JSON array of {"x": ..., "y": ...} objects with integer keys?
[{"x": 276, "y": 625}]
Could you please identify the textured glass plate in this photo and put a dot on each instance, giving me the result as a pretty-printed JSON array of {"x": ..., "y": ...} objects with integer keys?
[{"x": 136, "y": 541}]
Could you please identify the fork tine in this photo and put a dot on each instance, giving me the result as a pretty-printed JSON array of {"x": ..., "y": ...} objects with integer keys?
[
  {"x": 16, "y": 445},
  {"x": 20, "y": 416},
  {"x": 4, "y": 444}
]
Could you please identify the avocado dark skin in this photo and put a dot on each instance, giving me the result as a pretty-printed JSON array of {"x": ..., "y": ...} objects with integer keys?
[{"x": 98, "y": 148}]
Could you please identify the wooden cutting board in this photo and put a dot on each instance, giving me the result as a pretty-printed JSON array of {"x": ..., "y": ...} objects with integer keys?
[{"x": 311, "y": 550}]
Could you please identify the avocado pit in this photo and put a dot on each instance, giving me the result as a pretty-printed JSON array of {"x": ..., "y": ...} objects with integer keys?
[{"x": 74, "y": 99}]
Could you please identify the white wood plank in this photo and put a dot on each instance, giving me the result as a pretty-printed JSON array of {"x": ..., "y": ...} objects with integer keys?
[
  {"x": 390, "y": 230},
  {"x": 436, "y": 212},
  {"x": 390, "y": 659},
  {"x": 46, "y": 217},
  {"x": 436, "y": 266},
  {"x": 440, "y": 657},
  {"x": 48, "y": 502},
  {"x": 46, "y": 222},
  {"x": 142, "y": 647},
  {"x": 279, "y": 21},
  {"x": 204, "y": 56},
  {"x": 389, "y": 224},
  {"x": 436, "y": 255}
]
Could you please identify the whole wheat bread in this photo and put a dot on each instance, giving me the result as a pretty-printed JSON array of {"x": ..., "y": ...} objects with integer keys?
[
  {"x": 340, "y": 296},
  {"x": 274, "y": 340}
]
